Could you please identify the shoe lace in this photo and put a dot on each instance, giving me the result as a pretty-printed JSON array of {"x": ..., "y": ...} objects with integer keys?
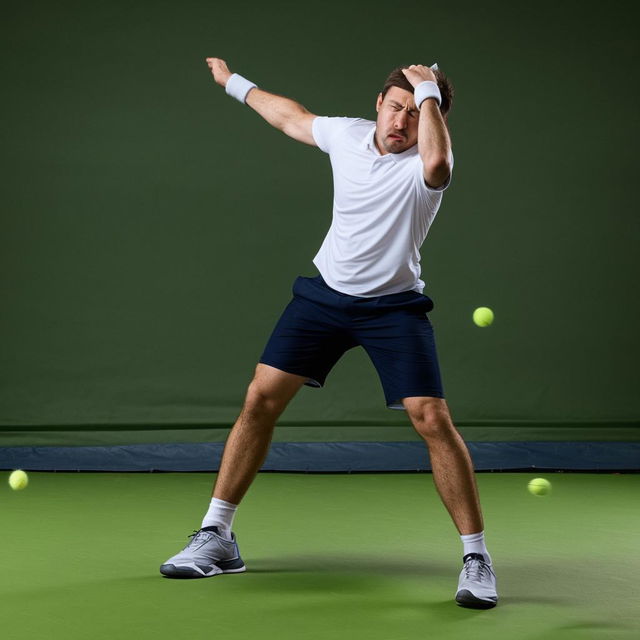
[
  {"x": 196, "y": 535},
  {"x": 474, "y": 569}
]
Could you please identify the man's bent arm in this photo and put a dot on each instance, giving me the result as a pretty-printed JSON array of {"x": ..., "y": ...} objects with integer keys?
[
  {"x": 284, "y": 114},
  {"x": 434, "y": 144}
]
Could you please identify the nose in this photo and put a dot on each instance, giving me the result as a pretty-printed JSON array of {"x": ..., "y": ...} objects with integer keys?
[{"x": 401, "y": 120}]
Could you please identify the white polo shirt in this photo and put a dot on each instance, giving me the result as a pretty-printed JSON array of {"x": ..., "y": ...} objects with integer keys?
[{"x": 382, "y": 211}]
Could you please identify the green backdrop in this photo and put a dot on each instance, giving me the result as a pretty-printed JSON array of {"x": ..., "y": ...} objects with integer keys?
[{"x": 152, "y": 226}]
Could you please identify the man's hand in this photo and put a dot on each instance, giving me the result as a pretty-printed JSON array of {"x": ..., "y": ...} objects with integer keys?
[
  {"x": 219, "y": 70},
  {"x": 418, "y": 73}
]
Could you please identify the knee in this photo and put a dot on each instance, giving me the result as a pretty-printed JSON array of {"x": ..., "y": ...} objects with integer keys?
[
  {"x": 430, "y": 419},
  {"x": 263, "y": 402}
]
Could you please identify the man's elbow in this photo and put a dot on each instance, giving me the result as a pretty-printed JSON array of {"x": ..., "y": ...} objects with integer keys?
[{"x": 437, "y": 172}]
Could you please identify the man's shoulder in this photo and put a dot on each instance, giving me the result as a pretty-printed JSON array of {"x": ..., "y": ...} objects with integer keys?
[
  {"x": 329, "y": 128},
  {"x": 344, "y": 122}
]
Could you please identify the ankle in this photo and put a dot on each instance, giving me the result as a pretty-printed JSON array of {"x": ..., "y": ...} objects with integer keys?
[
  {"x": 475, "y": 543},
  {"x": 221, "y": 515}
]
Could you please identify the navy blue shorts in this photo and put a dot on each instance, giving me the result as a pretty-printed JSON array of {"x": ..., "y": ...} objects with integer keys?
[{"x": 320, "y": 324}]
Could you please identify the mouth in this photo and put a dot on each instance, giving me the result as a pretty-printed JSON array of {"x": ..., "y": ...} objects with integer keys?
[{"x": 396, "y": 137}]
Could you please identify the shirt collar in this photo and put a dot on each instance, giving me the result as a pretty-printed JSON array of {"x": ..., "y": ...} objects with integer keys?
[{"x": 369, "y": 144}]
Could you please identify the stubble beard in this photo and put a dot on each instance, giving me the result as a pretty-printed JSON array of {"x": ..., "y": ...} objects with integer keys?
[{"x": 394, "y": 146}]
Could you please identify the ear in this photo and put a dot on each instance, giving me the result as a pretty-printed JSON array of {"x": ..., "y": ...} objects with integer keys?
[{"x": 379, "y": 101}]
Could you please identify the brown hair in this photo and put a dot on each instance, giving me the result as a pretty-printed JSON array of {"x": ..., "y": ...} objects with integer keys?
[{"x": 397, "y": 79}]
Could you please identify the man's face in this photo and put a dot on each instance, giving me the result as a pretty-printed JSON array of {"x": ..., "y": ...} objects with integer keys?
[{"x": 397, "y": 122}]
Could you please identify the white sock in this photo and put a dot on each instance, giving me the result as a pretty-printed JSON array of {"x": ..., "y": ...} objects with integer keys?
[
  {"x": 220, "y": 514},
  {"x": 474, "y": 543}
]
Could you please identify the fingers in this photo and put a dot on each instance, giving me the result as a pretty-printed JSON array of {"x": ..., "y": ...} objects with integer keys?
[
  {"x": 420, "y": 70},
  {"x": 219, "y": 62}
]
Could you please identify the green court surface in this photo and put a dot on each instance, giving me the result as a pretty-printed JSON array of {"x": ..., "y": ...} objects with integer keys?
[{"x": 371, "y": 556}]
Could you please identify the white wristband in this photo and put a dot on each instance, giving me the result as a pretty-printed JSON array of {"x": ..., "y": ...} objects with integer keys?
[
  {"x": 238, "y": 87},
  {"x": 424, "y": 90}
]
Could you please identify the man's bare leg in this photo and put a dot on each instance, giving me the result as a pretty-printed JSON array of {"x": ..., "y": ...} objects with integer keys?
[
  {"x": 247, "y": 445},
  {"x": 451, "y": 463},
  {"x": 455, "y": 481},
  {"x": 213, "y": 549}
]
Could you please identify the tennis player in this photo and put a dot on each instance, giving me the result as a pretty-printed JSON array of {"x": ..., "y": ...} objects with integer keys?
[{"x": 389, "y": 177}]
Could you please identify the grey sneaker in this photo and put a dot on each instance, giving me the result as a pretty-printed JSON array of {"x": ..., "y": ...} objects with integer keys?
[
  {"x": 477, "y": 583},
  {"x": 208, "y": 554}
]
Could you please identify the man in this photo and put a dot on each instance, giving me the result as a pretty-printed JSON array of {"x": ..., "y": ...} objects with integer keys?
[{"x": 389, "y": 177}]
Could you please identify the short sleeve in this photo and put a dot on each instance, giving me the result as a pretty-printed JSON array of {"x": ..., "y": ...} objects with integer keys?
[
  {"x": 324, "y": 128},
  {"x": 441, "y": 187}
]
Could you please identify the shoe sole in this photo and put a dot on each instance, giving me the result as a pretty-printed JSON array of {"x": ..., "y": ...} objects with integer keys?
[
  {"x": 466, "y": 599},
  {"x": 193, "y": 571}
]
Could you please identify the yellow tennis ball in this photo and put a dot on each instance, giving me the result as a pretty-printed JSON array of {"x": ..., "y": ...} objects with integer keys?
[
  {"x": 18, "y": 480},
  {"x": 483, "y": 316},
  {"x": 539, "y": 486}
]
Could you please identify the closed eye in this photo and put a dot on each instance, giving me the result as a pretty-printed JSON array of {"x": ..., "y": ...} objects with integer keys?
[{"x": 397, "y": 107}]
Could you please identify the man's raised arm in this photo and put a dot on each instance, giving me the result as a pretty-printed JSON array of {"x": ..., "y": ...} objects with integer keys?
[{"x": 284, "y": 114}]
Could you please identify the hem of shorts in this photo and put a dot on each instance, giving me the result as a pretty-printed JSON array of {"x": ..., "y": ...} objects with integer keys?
[
  {"x": 311, "y": 382},
  {"x": 398, "y": 406}
]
